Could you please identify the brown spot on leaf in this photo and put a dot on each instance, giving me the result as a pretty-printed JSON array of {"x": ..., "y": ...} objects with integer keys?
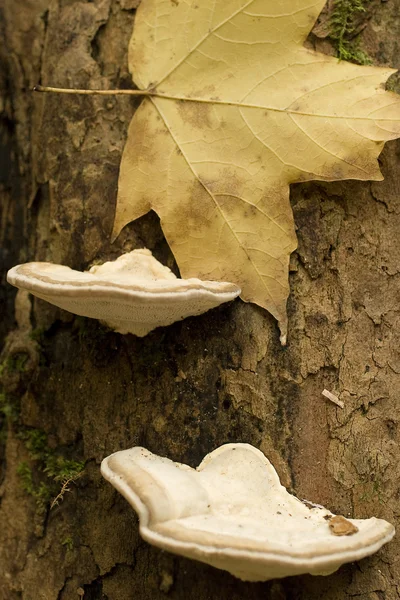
[
  {"x": 196, "y": 213},
  {"x": 205, "y": 91},
  {"x": 195, "y": 113},
  {"x": 139, "y": 133},
  {"x": 232, "y": 184}
]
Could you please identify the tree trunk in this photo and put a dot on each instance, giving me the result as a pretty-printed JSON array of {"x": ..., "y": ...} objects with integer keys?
[{"x": 74, "y": 391}]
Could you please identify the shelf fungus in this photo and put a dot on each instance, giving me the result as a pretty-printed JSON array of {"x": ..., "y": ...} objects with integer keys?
[
  {"x": 233, "y": 513},
  {"x": 132, "y": 294}
]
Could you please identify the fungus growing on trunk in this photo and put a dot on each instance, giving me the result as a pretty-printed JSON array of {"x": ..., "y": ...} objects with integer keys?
[
  {"x": 233, "y": 513},
  {"x": 132, "y": 294}
]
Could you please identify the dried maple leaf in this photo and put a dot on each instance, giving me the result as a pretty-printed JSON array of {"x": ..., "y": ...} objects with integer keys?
[{"x": 236, "y": 110}]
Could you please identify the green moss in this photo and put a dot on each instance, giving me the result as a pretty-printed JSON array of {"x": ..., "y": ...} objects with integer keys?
[
  {"x": 41, "y": 492},
  {"x": 342, "y": 31},
  {"x": 372, "y": 492},
  {"x": 8, "y": 413},
  {"x": 25, "y": 473},
  {"x": 17, "y": 362},
  {"x": 6, "y": 408},
  {"x": 393, "y": 83},
  {"x": 10, "y": 404},
  {"x": 37, "y": 335},
  {"x": 68, "y": 542},
  {"x": 62, "y": 469},
  {"x": 2, "y": 368},
  {"x": 35, "y": 442},
  {"x": 341, "y": 476},
  {"x": 48, "y": 469}
]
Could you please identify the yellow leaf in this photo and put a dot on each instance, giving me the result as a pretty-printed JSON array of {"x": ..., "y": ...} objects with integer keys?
[{"x": 237, "y": 109}]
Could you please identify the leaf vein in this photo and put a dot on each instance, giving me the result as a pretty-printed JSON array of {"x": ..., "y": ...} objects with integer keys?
[
  {"x": 278, "y": 16},
  {"x": 209, "y": 192},
  {"x": 256, "y": 207},
  {"x": 183, "y": 59},
  {"x": 335, "y": 156}
]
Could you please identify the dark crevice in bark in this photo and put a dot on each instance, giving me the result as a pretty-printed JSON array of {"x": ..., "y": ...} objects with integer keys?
[
  {"x": 11, "y": 212},
  {"x": 94, "y": 590}
]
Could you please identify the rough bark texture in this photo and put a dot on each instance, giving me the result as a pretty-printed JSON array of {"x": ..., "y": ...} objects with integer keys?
[{"x": 85, "y": 392}]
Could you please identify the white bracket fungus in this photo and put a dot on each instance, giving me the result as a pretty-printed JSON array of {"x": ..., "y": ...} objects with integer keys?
[
  {"x": 233, "y": 513},
  {"x": 133, "y": 294}
]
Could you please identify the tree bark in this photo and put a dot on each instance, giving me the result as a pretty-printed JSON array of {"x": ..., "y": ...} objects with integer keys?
[{"x": 181, "y": 391}]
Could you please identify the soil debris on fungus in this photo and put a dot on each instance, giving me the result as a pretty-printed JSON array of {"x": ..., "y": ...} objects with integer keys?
[{"x": 339, "y": 525}]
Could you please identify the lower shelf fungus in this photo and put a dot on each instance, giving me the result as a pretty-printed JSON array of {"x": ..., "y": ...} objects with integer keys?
[
  {"x": 133, "y": 294},
  {"x": 233, "y": 513}
]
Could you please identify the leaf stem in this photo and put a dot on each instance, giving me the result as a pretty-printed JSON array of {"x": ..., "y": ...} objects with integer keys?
[{"x": 56, "y": 90}]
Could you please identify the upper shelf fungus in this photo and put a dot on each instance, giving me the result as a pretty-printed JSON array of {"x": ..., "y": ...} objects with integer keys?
[
  {"x": 233, "y": 513},
  {"x": 132, "y": 294}
]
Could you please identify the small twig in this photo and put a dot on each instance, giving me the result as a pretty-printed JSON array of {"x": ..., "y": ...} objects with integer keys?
[
  {"x": 64, "y": 489},
  {"x": 310, "y": 504},
  {"x": 55, "y": 90},
  {"x": 333, "y": 398}
]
